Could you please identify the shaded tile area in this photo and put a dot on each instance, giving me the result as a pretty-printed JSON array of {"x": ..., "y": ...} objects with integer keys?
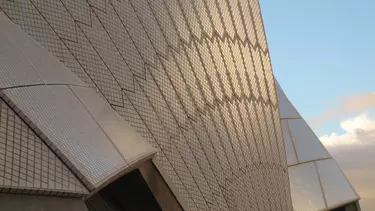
[{"x": 27, "y": 164}]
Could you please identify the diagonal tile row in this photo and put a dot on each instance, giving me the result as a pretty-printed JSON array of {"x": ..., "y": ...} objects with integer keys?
[
  {"x": 27, "y": 164},
  {"x": 192, "y": 77},
  {"x": 78, "y": 125}
]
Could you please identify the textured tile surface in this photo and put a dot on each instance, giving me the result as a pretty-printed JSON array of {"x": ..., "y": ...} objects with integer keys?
[
  {"x": 15, "y": 70},
  {"x": 58, "y": 113},
  {"x": 130, "y": 144},
  {"x": 192, "y": 77},
  {"x": 27, "y": 164},
  {"x": 89, "y": 140},
  {"x": 25, "y": 62},
  {"x": 40, "y": 203}
]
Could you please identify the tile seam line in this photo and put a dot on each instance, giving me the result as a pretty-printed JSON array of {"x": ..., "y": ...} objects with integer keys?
[
  {"x": 17, "y": 46},
  {"x": 292, "y": 139},
  {"x": 310, "y": 161},
  {"x": 48, "y": 190},
  {"x": 23, "y": 55},
  {"x": 40, "y": 84},
  {"x": 97, "y": 123},
  {"x": 128, "y": 164},
  {"x": 321, "y": 185},
  {"x": 45, "y": 140}
]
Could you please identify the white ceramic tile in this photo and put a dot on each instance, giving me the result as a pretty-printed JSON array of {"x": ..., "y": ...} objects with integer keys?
[
  {"x": 15, "y": 70},
  {"x": 124, "y": 137},
  {"x": 57, "y": 112},
  {"x": 291, "y": 156},
  {"x": 158, "y": 91},
  {"x": 286, "y": 109},
  {"x": 50, "y": 70},
  {"x": 308, "y": 146},
  {"x": 336, "y": 187},
  {"x": 305, "y": 188},
  {"x": 28, "y": 158}
]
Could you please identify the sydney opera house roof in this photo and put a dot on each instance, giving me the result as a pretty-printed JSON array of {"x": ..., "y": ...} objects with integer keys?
[
  {"x": 316, "y": 181},
  {"x": 111, "y": 105}
]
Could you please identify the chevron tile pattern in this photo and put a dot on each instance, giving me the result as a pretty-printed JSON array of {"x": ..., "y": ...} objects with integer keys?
[{"x": 192, "y": 76}]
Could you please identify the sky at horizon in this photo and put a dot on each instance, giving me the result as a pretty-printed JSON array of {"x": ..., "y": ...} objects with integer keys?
[
  {"x": 321, "y": 51},
  {"x": 322, "y": 54}
]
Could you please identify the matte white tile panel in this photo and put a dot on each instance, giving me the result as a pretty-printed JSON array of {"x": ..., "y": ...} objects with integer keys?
[
  {"x": 336, "y": 187},
  {"x": 291, "y": 156},
  {"x": 286, "y": 109},
  {"x": 308, "y": 146},
  {"x": 305, "y": 188}
]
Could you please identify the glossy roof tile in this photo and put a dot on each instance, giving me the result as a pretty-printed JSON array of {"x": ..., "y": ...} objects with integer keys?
[
  {"x": 290, "y": 150},
  {"x": 305, "y": 187},
  {"x": 316, "y": 181},
  {"x": 307, "y": 145},
  {"x": 337, "y": 189},
  {"x": 287, "y": 110}
]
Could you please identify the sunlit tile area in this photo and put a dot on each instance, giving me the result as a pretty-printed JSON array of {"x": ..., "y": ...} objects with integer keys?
[
  {"x": 192, "y": 77},
  {"x": 28, "y": 165},
  {"x": 172, "y": 100}
]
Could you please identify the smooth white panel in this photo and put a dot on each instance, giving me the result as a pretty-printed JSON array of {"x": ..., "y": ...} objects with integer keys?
[
  {"x": 307, "y": 145},
  {"x": 131, "y": 145},
  {"x": 305, "y": 188},
  {"x": 291, "y": 156},
  {"x": 286, "y": 109},
  {"x": 58, "y": 113},
  {"x": 336, "y": 188},
  {"x": 50, "y": 70}
]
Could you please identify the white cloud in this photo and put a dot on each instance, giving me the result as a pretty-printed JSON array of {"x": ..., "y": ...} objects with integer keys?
[
  {"x": 358, "y": 130},
  {"x": 354, "y": 151}
]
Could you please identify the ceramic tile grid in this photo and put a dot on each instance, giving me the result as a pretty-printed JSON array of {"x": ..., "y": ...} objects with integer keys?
[
  {"x": 193, "y": 77},
  {"x": 67, "y": 124},
  {"x": 70, "y": 130},
  {"x": 27, "y": 165}
]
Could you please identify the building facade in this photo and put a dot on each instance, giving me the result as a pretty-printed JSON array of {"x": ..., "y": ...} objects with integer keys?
[
  {"x": 316, "y": 181},
  {"x": 138, "y": 105}
]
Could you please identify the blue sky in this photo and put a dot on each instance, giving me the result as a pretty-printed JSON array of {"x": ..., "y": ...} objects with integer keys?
[{"x": 321, "y": 51}]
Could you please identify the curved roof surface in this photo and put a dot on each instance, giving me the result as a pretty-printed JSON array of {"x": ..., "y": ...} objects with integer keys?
[
  {"x": 77, "y": 124},
  {"x": 316, "y": 181}
]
